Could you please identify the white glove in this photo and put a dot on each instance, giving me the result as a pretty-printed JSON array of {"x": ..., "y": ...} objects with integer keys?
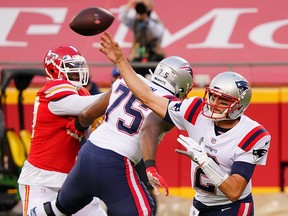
[
  {"x": 195, "y": 150},
  {"x": 197, "y": 153}
]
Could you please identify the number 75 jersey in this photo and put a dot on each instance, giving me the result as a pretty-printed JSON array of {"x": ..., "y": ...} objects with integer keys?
[
  {"x": 124, "y": 118},
  {"x": 247, "y": 142}
]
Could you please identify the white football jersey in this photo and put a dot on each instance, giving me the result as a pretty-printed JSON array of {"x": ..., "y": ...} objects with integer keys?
[
  {"x": 248, "y": 141},
  {"x": 124, "y": 117}
]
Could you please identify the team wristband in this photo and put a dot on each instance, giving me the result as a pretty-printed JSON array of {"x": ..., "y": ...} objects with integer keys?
[
  {"x": 79, "y": 127},
  {"x": 149, "y": 163}
]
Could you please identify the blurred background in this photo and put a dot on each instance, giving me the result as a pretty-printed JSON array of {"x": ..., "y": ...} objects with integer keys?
[{"x": 248, "y": 37}]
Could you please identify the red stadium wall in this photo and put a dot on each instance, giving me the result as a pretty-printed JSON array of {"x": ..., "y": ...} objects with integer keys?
[
  {"x": 284, "y": 125},
  {"x": 284, "y": 138}
]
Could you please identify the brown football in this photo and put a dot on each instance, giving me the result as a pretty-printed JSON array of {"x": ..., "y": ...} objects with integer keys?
[{"x": 91, "y": 21}]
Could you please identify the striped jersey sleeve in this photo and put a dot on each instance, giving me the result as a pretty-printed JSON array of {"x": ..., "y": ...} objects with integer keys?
[
  {"x": 58, "y": 89},
  {"x": 179, "y": 113},
  {"x": 193, "y": 110},
  {"x": 254, "y": 146},
  {"x": 252, "y": 138}
]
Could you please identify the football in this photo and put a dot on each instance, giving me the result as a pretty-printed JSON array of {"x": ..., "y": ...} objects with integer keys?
[{"x": 91, "y": 21}]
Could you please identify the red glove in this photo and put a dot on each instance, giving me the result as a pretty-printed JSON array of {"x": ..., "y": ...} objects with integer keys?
[
  {"x": 75, "y": 130},
  {"x": 156, "y": 180}
]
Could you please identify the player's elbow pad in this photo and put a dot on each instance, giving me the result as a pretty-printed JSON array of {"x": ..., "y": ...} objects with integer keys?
[{"x": 214, "y": 172}]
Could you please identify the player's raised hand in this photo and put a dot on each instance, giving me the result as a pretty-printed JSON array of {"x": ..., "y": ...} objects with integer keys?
[
  {"x": 111, "y": 48},
  {"x": 156, "y": 180},
  {"x": 195, "y": 150}
]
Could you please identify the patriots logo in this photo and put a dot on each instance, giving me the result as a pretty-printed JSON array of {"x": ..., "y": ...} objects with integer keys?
[
  {"x": 242, "y": 86},
  {"x": 258, "y": 154},
  {"x": 176, "y": 107},
  {"x": 187, "y": 68}
]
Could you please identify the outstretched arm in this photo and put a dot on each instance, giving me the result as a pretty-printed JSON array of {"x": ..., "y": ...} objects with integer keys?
[
  {"x": 142, "y": 91},
  {"x": 77, "y": 126},
  {"x": 94, "y": 110}
]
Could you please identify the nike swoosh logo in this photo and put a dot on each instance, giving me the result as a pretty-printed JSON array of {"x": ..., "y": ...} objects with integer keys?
[{"x": 225, "y": 209}]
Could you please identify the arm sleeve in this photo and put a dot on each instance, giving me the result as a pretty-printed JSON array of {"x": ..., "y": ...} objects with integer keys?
[
  {"x": 72, "y": 104},
  {"x": 244, "y": 169}
]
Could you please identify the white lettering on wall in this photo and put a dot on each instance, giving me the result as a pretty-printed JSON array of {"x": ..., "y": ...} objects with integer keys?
[
  {"x": 10, "y": 16},
  {"x": 262, "y": 35},
  {"x": 223, "y": 23}
]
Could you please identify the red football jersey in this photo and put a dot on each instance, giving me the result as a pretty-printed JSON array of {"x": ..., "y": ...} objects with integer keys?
[{"x": 51, "y": 147}]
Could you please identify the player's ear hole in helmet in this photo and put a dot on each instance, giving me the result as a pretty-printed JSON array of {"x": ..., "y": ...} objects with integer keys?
[
  {"x": 233, "y": 90},
  {"x": 174, "y": 74},
  {"x": 66, "y": 62}
]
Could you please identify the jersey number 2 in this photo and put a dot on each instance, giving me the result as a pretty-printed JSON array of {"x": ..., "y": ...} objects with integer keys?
[{"x": 199, "y": 174}]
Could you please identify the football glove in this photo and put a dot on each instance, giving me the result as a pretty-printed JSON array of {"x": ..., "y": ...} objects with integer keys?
[
  {"x": 75, "y": 130},
  {"x": 156, "y": 180},
  {"x": 195, "y": 150},
  {"x": 197, "y": 153}
]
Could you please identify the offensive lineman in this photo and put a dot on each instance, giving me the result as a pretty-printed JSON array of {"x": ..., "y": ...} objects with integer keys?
[
  {"x": 107, "y": 159},
  {"x": 224, "y": 144}
]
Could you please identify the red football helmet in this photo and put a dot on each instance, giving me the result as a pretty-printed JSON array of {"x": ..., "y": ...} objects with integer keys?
[{"x": 65, "y": 62}]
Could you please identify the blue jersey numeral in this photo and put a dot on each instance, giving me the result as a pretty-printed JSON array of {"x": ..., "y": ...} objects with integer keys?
[{"x": 127, "y": 126}]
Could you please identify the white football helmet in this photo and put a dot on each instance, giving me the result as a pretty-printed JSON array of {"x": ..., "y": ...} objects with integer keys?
[
  {"x": 232, "y": 87},
  {"x": 174, "y": 74},
  {"x": 66, "y": 62}
]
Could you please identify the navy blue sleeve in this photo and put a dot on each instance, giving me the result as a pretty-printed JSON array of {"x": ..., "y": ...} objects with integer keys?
[{"x": 244, "y": 169}]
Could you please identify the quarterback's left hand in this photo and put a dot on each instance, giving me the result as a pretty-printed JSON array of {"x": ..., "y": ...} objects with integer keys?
[
  {"x": 195, "y": 150},
  {"x": 72, "y": 131}
]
